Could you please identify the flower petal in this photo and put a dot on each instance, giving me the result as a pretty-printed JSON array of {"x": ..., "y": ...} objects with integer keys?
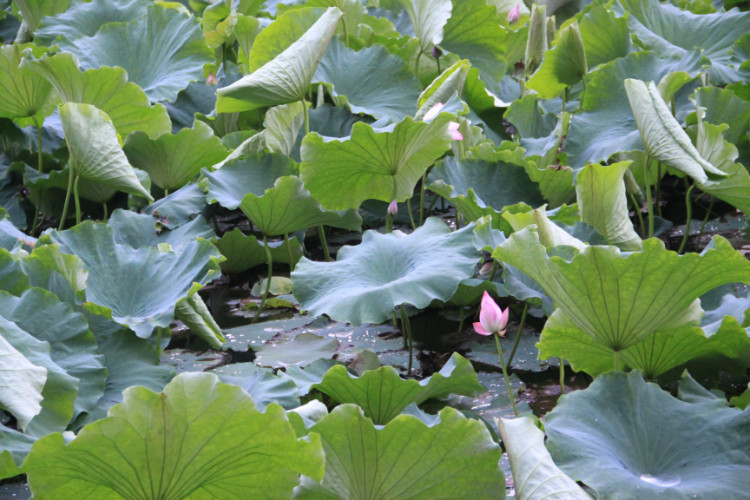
[{"x": 480, "y": 330}]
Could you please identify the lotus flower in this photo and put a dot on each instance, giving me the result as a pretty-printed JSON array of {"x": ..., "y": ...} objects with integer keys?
[
  {"x": 514, "y": 14},
  {"x": 433, "y": 112},
  {"x": 492, "y": 319},
  {"x": 453, "y": 130}
]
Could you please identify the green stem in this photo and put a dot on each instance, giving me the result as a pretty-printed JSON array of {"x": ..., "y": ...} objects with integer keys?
[
  {"x": 505, "y": 374},
  {"x": 521, "y": 324},
  {"x": 657, "y": 189},
  {"x": 39, "y": 159},
  {"x": 388, "y": 223},
  {"x": 689, "y": 208},
  {"x": 106, "y": 212},
  {"x": 437, "y": 60},
  {"x": 346, "y": 33},
  {"x": 77, "y": 199},
  {"x": 166, "y": 193},
  {"x": 522, "y": 86},
  {"x": 493, "y": 270},
  {"x": 411, "y": 216},
  {"x": 406, "y": 325},
  {"x": 562, "y": 375},
  {"x": 462, "y": 318},
  {"x": 616, "y": 361},
  {"x": 289, "y": 251},
  {"x": 705, "y": 219},
  {"x": 263, "y": 298},
  {"x": 324, "y": 243},
  {"x": 637, "y": 209},
  {"x": 649, "y": 203},
  {"x": 421, "y": 199},
  {"x": 416, "y": 66},
  {"x": 307, "y": 116},
  {"x": 67, "y": 200},
  {"x": 395, "y": 325}
]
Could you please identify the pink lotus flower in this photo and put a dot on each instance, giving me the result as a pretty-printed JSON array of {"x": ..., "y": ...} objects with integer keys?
[
  {"x": 453, "y": 131},
  {"x": 514, "y": 14},
  {"x": 393, "y": 208},
  {"x": 433, "y": 112},
  {"x": 492, "y": 319}
]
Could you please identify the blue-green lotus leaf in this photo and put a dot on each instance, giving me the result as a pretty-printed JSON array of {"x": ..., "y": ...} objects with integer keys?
[
  {"x": 605, "y": 36},
  {"x": 628, "y": 439},
  {"x": 671, "y": 32},
  {"x": 369, "y": 81},
  {"x": 563, "y": 66},
  {"x": 261, "y": 384},
  {"x": 179, "y": 207},
  {"x": 12, "y": 239},
  {"x": 725, "y": 106},
  {"x": 83, "y": 18},
  {"x": 383, "y": 394},
  {"x": 26, "y": 95},
  {"x": 12, "y": 277},
  {"x": 141, "y": 230},
  {"x": 370, "y": 280},
  {"x": 162, "y": 51},
  {"x": 16, "y": 446},
  {"x": 606, "y": 124},
  {"x": 137, "y": 287},
  {"x": 454, "y": 457},
  {"x": 244, "y": 252},
  {"x": 197, "y": 439},
  {"x": 32, "y": 11},
  {"x": 619, "y": 299}
]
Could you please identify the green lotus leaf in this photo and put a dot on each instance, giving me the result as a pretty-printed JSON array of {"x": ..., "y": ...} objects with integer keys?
[
  {"x": 606, "y": 125},
  {"x": 244, "y": 252},
  {"x": 536, "y": 43},
  {"x": 449, "y": 82},
  {"x": 12, "y": 239},
  {"x": 287, "y": 28},
  {"x": 453, "y": 458},
  {"x": 83, "y": 18},
  {"x": 95, "y": 152},
  {"x": 16, "y": 446},
  {"x": 564, "y": 65},
  {"x": 535, "y": 475},
  {"x": 162, "y": 51},
  {"x": 662, "y": 135},
  {"x": 72, "y": 345},
  {"x": 166, "y": 445},
  {"x": 282, "y": 125},
  {"x": 141, "y": 230},
  {"x": 137, "y": 287},
  {"x": 478, "y": 187},
  {"x": 380, "y": 165},
  {"x": 669, "y": 31},
  {"x": 604, "y": 204},
  {"x": 64, "y": 275},
  {"x": 297, "y": 350},
  {"x": 724, "y": 106},
  {"x": 173, "y": 160},
  {"x": 620, "y": 300},
  {"x": 261, "y": 384},
  {"x": 194, "y": 313},
  {"x": 369, "y": 81},
  {"x": 529, "y": 118},
  {"x": 383, "y": 394},
  {"x": 474, "y": 32},
  {"x": 654, "y": 356},
  {"x": 106, "y": 88},
  {"x": 179, "y": 207},
  {"x": 286, "y": 77},
  {"x": 612, "y": 436},
  {"x": 12, "y": 277},
  {"x": 428, "y": 17},
  {"x": 605, "y": 36},
  {"x": 368, "y": 281},
  {"x": 32, "y": 11},
  {"x": 25, "y": 94},
  {"x": 277, "y": 205}
]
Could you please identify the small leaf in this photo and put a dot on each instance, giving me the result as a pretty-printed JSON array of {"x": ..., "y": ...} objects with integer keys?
[{"x": 193, "y": 312}]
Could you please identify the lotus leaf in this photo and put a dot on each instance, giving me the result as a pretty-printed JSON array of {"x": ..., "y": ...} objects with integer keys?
[
  {"x": 535, "y": 475},
  {"x": 297, "y": 350},
  {"x": 244, "y": 252},
  {"x": 563, "y": 66},
  {"x": 383, "y": 394},
  {"x": 167, "y": 445},
  {"x": 173, "y": 160},
  {"x": 455, "y": 457},
  {"x": 152, "y": 281},
  {"x": 369, "y": 81},
  {"x": 282, "y": 125},
  {"x": 724, "y": 106},
  {"x": 26, "y": 94},
  {"x": 23, "y": 381},
  {"x": 141, "y": 230},
  {"x": 194, "y": 313},
  {"x": 428, "y": 17},
  {"x": 12, "y": 277},
  {"x": 162, "y": 51},
  {"x": 12, "y": 239},
  {"x": 287, "y": 76},
  {"x": 261, "y": 384},
  {"x": 605, "y": 36},
  {"x": 179, "y": 207},
  {"x": 32, "y": 11},
  {"x": 629, "y": 439},
  {"x": 82, "y": 19},
  {"x": 370, "y": 280},
  {"x": 381, "y": 165},
  {"x": 15, "y": 448},
  {"x": 620, "y": 300},
  {"x": 442, "y": 89}
]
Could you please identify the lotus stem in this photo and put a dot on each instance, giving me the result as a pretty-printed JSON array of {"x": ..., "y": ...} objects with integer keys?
[
  {"x": 505, "y": 374},
  {"x": 649, "y": 202},
  {"x": 705, "y": 219},
  {"x": 104, "y": 209},
  {"x": 657, "y": 189},
  {"x": 77, "y": 199},
  {"x": 269, "y": 259},
  {"x": 411, "y": 216},
  {"x": 289, "y": 251},
  {"x": 521, "y": 324},
  {"x": 416, "y": 66},
  {"x": 462, "y": 317},
  {"x": 67, "y": 199},
  {"x": 562, "y": 376},
  {"x": 307, "y": 116},
  {"x": 388, "y": 223},
  {"x": 689, "y": 209},
  {"x": 39, "y": 158},
  {"x": 324, "y": 243},
  {"x": 395, "y": 325},
  {"x": 637, "y": 209},
  {"x": 406, "y": 325},
  {"x": 346, "y": 32},
  {"x": 437, "y": 60},
  {"x": 421, "y": 199},
  {"x": 159, "y": 332},
  {"x": 493, "y": 270},
  {"x": 616, "y": 361}
]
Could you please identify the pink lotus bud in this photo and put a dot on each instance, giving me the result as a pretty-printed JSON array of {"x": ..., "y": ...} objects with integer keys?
[
  {"x": 453, "y": 130},
  {"x": 514, "y": 14},
  {"x": 486, "y": 268},
  {"x": 433, "y": 112},
  {"x": 211, "y": 79},
  {"x": 492, "y": 319},
  {"x": 393, "y": 208},
  {"x": 436, "y": 52}
]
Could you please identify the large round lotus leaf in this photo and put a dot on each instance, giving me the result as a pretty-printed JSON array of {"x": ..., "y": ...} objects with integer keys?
[
  {"x": 162, "y": 52},
  {"x": 630, "y": 440},
  {"x": 138, "y": 287},
  {"x": 563, "y": 66},
  {"x": 370, "y": 81},
  {"x": 25, "y": 94},
  {"x": 370, "y": 280},
  {"x": 246, "y": 251},
  {"x": 84, "y": 18},
  {"x": 428, "y": 17},
  {"x": 141, "y": 230},
  {"x": 599, "y": 25},
  {"x": 106, "y": 88},
  {"x": 32, "y": 11},
  {"x": 198, "y": 439},
  {"x": 454, "y": 457},
  {"x": 380, "y": 165},
  {"x": 12, "y": 277}
]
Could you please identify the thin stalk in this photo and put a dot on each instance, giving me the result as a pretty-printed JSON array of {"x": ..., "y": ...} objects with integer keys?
[
  {"x": 395, "y": 325},
  {"x": 437, "y": 60},
  {"x": 494, "y": 270},
  {"x": 505, "y": 374},
  {"x": 564, "y": 99},
  {"x": 521, "y": 324},
  {"x": 562, "y": 375},
  {"x": 159, "y": 336},
  {"x": 657, "y": 189},
  {"x": 705, "y": 219},
  {"x": 289, "y": 251},
  {"x": 421, "y": 199},
  {"x": 307, "y": 116},
  {"x": 432, "y": 204},
  {"x": 39, "y": 160},
  {"x": 637, "y": 209},
  {"x": 166, "y": 193},
  {"x": 67, "y": 200},
  {"x": 458, "y": 219},
  {"x": 324, "y": 243},
  {"x": 388, "y": 223},
  {"x": 346, "y": 32},
  {"x": 77, "y": 199},
  {"x": 616, "y": 361},
  {"x": 106, "y": 212},
  {"x": 416, "y": 65},
  {"x": 411, "y": 216},
  {"x": 649, "y": 202},
  {"x": 522, "y": 86},
  {"x": 35, "y": 223},
  {"x": 462, "y": 318},
  {"x": 689, "y": 209},
  {"x": 263, "y": 298},
  {"x": 405, "y": 325}
]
